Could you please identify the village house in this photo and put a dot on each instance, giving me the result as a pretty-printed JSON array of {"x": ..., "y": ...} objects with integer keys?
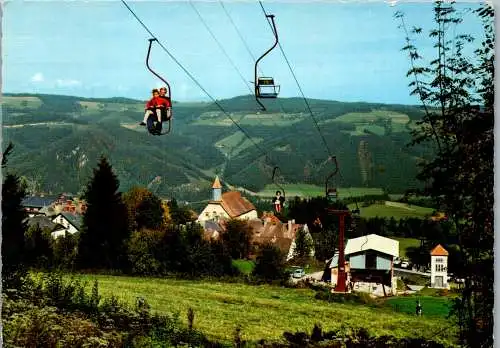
[
  {"x": 212, "y": 229},
  {"x": 227, "y": 205},
  {"x": 42, "y": 221},
  {"x": 53, "y": 205},
  {"x": 439, "y": 268},
  {"x": 69, "y": 204},
  {"x": 331, "y": 271},
  {"x": 36, "y": 205},
  {"x": 370, "y": 264},
  {"x": 71, "y": 223},
  {"x": 270, "y": 229}
]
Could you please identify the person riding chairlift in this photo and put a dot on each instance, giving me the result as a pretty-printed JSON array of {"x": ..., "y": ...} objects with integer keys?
[
  {"x": 278, "y": 202},
  {"x": 154, "y": 104},
  {"x": 163, "y": 95}
]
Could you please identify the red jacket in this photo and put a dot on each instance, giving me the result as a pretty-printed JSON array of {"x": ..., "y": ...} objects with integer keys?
[
  {"x": 167, "y": 99},
  {"x": 156, "y": 102}
]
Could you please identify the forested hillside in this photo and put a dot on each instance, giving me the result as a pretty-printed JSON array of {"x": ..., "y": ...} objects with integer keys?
[{"x": 59, "y": 140}]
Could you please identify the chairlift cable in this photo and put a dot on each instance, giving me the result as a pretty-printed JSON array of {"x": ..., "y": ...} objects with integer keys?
[
  {"x": 330, "y": 156},
  {"x": 220, "y": 46},
  {"x": 251, "y": 55},
  {"x": 300, "y": 88},
  {"x": 196, "y": 81},
  {"x": 239, "y": 34}
]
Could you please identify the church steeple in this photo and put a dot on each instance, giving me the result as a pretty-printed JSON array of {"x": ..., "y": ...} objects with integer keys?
[{"x": 216, "y": 190}]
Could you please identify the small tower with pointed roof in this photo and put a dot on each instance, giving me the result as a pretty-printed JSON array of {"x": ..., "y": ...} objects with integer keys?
[
  {"x": 439, "y": 267},
  {"x": 216, "y": 190}
]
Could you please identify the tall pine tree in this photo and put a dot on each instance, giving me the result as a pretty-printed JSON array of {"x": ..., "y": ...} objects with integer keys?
[
  {"x": 105, "y": 223},
  {"x": 13, "y": 228}
]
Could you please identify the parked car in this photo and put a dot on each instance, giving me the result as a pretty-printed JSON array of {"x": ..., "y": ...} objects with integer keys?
[
  {"x": 405, "y": 264},
  {"x": 298, "y": 273}
]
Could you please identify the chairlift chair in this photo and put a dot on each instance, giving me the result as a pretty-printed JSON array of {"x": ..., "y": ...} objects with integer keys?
[
  {"x": 154, "y": 127},
  {"x": 265, "y": 88},
  {"x": 331, "y": 192}
]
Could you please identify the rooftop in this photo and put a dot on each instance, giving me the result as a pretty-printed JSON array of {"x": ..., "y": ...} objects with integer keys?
[
  {"x": 235, "y": 205},
  {"x": 38, "y": 201},
  {"x": 373, "y": 242},
  {"x": 217, "y": 184},
  {"x": 439, "y": 251}
]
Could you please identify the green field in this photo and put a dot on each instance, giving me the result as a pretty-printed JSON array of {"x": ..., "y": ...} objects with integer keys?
[
  {"x": 264, "y": 311},
  {"x": 382, "y": 210},
  {"x": 216, "y": 118},
  {"x": 364, "y": 120},
  {"x": 360, "y": 130},
  {"x": 405, "y": 243},
  {"x": 307, "y": 191},
  {"x": 431, "y": 306},
  {"x": 235, "y": 143},
  {"x": 366, "y": 117},
  {"x": 244, "y": 266},
  {"x": 91, "y": 106},
  {"x": 20, "y": 102}
]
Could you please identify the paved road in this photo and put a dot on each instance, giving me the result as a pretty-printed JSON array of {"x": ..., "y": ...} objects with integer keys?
[
  {"x": 407, "y": 271},
  {"x": 315, "y": 276}
]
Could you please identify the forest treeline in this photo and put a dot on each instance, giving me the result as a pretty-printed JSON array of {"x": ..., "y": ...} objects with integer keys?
[{"x": 56, "y": 156}]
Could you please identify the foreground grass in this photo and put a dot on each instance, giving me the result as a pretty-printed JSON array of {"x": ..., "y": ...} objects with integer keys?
[
  {"x": 432, "y": 306},
  {"x": 263, "y": 311},
  {"x": 244, "y": 266}
]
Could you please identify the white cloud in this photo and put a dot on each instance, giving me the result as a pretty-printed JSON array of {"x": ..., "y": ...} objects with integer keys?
[
  {"x": 122, "y": 88},
  {"x": 38, "y": 77},
  {"x": 67, "y": 83}
]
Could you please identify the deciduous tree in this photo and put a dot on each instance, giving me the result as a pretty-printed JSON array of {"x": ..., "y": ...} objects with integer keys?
[
  {"x": 237, "y": 238},
  {"x": 144, "y": 208},
  {"x": 456, "y": 91}
]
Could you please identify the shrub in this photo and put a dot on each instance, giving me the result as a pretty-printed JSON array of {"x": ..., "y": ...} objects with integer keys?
[
  {"x": 353, "y": 297},
  {"x": 145, "y": 252},
  {"x": 443, "y": 292},
  {"x": 61, "y": 313},
  {"x": 269, "y": 265}
]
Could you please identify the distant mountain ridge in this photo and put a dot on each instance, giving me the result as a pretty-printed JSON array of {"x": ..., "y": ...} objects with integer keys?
[{"x": 58, "y": 140}]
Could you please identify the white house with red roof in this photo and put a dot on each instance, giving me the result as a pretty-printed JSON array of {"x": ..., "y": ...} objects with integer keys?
[
  {"x": 439, "y": 267},
  {"x": 227, "y": 205}
]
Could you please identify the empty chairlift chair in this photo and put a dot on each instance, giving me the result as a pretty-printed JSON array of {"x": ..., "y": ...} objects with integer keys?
[{"x": 265, "y": 86}]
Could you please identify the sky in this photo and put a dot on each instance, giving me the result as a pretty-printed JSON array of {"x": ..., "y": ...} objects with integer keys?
[{"x": 338, "y": 50}]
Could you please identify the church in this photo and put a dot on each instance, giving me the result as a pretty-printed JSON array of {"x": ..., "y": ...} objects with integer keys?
[{"x": 227, "y": 205}]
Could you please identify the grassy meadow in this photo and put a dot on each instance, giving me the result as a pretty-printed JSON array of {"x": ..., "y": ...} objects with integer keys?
[
  {"x": 383, "y": 210},
  {"x": 432, "y": 306},
  {"x": 308, "y": 191},
  {"x": 264, "y": 311},
  {"x": 21, "y": 102},
  {"x": 217, "y": 118},
  {"x": 236, "y": 143},
  {"x": 405, "y": 243}
]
